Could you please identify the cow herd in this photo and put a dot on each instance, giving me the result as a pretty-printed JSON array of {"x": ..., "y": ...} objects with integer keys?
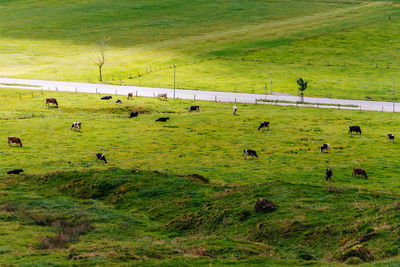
[{"x": 246, "y": 153}]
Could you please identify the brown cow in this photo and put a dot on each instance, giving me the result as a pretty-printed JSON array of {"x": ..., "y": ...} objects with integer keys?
[
  {"x": 130, "y": 96},
  {"x": 51, "y": 101},
  {"x": 357, "y": 171},
  {"x": 13, "y": 139}
]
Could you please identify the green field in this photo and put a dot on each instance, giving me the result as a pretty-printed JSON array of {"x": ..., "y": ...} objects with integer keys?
[
  {"x": 345, "y": 49},
  {"x": 146, "y": 207}
]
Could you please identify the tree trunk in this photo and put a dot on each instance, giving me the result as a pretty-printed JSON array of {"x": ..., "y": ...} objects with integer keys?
[
  {"x": 302, "y": 97},
  {"x": 100, "y": 77}
]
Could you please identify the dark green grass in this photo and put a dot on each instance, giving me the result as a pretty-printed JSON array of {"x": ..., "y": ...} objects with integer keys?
[{"x": 152, "y": 218}]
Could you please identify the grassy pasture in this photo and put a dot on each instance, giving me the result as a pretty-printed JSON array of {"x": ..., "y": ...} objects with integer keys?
[
  {"x": 209, "y": 143},
  {"x": 144, "y": 209},
  {"x": 226, "y": 46}
]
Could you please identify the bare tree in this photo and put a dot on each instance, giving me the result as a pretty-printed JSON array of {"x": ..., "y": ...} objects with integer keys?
[{"x": 101, "y": 58}]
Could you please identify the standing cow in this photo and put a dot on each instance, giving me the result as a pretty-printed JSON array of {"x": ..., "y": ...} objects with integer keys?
[
  {"x": 234, "y": 109},
  {"x": 76, "y": 126},
  {"x": 264, "y": 124},
  {"x": 328, "y": 174},
  {"x": 130, "y": 96},
  {"x": 357, "y": 171},
  {"x": 250, "y": 152},
  {"x": 13, "y": 139},
  {"x": 355, "y": 129},
  {"x": 325, "y": 147},
  {"x": 390, "y": 137},
  {"x": 100, "y": 156},
  {"x": 52, "y": 101}
]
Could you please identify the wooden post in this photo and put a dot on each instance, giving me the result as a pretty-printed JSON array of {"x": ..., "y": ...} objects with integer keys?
[
  {"x": 116, "y": 91},
  {"x": 194, "y": 97},
  {"x": 215, "y": 98},
  {"x": 136, "y": 93},
  {"x": 96, "y": 90},
  {"x": 76, "y": 90}
]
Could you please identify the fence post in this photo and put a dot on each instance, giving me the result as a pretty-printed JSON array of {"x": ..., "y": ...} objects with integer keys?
[
  {"x": 339, "y": 106},
  {"x": 136, "y": 93},
  {"x": 76, "y": 90},
  {"x": 56, "y": 89},
  {"x": 235, "y": 99},
  {"x": 116, "y": 91},
  {"x": 194, "y": 97},
  {"x": 41, "y": 90},
  {"x": 96, "y": 90},
  {"x": 382, "y": 108},
  {"x": 256, "y": 101},
  {"x": 215, "y": 98},
  {"x": 276, "y": 102}
]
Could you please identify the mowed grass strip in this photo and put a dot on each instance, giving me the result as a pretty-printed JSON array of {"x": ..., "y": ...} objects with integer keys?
[{"x": 209, "y": 143}]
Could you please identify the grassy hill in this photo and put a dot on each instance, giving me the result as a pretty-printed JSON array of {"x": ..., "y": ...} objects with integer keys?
[
  {"x": 150, "y": 204},
  {"x": 345, "y": 49}
]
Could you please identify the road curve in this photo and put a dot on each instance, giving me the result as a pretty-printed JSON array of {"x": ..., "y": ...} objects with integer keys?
[{"x": 198, "y": 95}]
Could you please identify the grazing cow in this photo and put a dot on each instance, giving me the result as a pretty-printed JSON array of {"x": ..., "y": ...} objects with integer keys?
[
  {"x": 194, "y": 108},
  {"x": 328, "y": 174},
  {"x": 355, "y": 129},
  {"x": 162, "y": 96},
  {"x": 264, "y": 124},
  {"x": 234, "y": 109},
  {"x": 76, "y": 125},
  {"x": 108, "y": 97},
  {"x": 390, "y": 137},
  {"x": 118, "y": 101},
  {"x": 130, "y": 96},
  {"x": 357, "y": 171},
  {"x": 13, "y": 139},
  {"x": 133, "y": 114},
  {"x": 325, "y": 147},
  {"x": 100, "y": 156},
  {"x": 17, "y": 171},
  {"x": 163, "y": 119},
  {"x": 52, "y": 101},
  {"x": 250, "y": 152}
]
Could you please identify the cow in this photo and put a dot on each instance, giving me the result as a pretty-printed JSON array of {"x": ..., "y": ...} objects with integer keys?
[
  {"x": 357, "y": 171},
  {"x": 264, "y": 124},
  {"x": 162, "y": 96},
  {"x": 100, "y": 156},
  {"x": 194, "y": 108},
  {"x": 52, "y": 101},
  {"x": 17, "y": 171},
  {"x": 328, "y": 174},
  {"x": 108, "y": 97},
  {"x": 234, "y": 109},
  {"x": 163, "y": 119},
  {"x": 13, "y": 139},
  {"x": 390, "y": 137},
  {"x": 355, "y": 129},
  {"x": 130, "y": 96},
  {"x": 250, "y": 152},
  {"x": 133, "y": 114},
  {"x": 118, "y": 101},
  {"x": 325, "y": 147},
  {"x": 76, "y": 125}
]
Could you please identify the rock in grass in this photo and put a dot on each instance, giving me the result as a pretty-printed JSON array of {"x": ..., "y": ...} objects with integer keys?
[
  {"x": 358, "y": 251},
  {"x": 264, "y": 205}
]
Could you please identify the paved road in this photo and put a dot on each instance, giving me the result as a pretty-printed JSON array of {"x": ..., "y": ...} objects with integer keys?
[{"x": 195, "y": 94}]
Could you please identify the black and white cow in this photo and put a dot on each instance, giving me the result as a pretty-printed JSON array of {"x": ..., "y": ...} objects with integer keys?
[
  {"x": 118, "y": 101},
  {"x": 76, "y": 125},
  {"x": 163, "y": 119},
  {"x": 194, "y": 108},
  {"x": 133, "y": 114},
  {"x": 328, "y": 174},
  {"x": 325, "y": 147},
  {"x": 250, "y": 152},
  {"x": 17, "y": 171},
  {"x": 100, "y": 156},
  {"x": 355, "y": 129},
  {"x": 234, "y": 109},
  {"x": 390, "y": 137},
  {"x": 264, "y": 124},
  {"x": 108, "y": 97}
]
